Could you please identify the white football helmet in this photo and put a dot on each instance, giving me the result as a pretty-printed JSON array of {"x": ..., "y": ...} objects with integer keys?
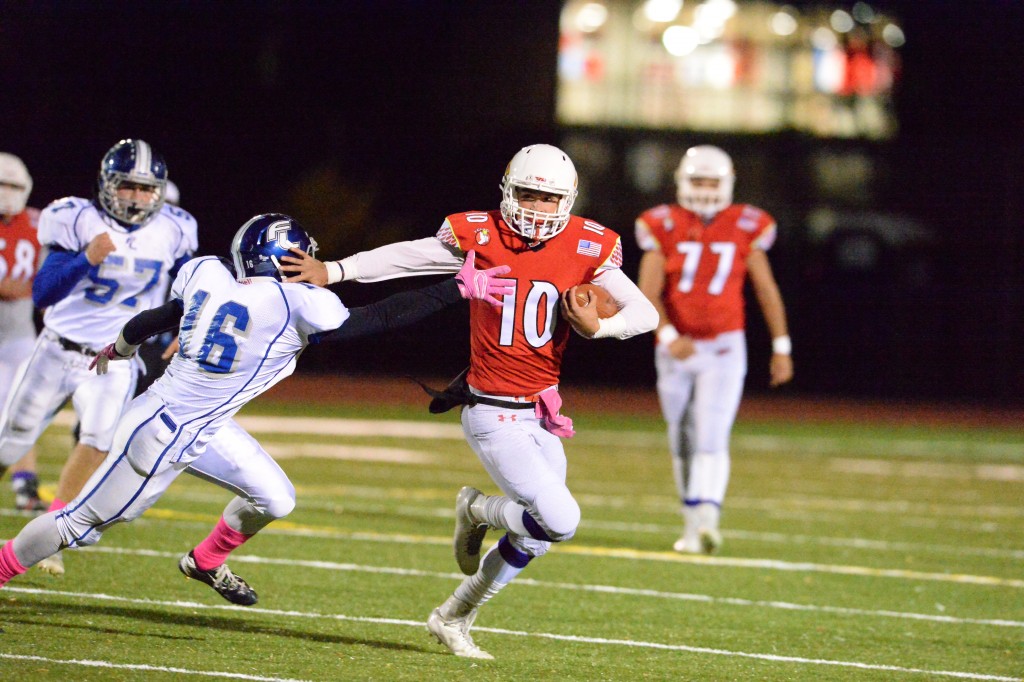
[
  {"x": 546, "y": 169},
  {"x": 705, "y": 161},
  {"x": 15, "y": 184}
]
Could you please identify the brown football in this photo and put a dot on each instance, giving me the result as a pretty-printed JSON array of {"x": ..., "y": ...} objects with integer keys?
[{"x": 591, "y": 294}]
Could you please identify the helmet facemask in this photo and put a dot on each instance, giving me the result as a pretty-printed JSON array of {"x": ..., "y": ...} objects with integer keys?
[
  {"x": 130, "y": 210},
  {"x": 15, "y": 185},
  {"x": 700, "y": 163},
  {"x": 541, "y": 168}
]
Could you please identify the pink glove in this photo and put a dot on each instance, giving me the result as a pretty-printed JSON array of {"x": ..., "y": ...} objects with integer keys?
[
  {"x": 103, "y": 358},
  {"x": 483, "y": 285},
  {"x": 548, "y": 405}
]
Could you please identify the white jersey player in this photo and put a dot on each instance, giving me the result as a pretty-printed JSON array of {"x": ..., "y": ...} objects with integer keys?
[
  {"x": 108, "y": 259},
  {"x": 239, "y": 336}
]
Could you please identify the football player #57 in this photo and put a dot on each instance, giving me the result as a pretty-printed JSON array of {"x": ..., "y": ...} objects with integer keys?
[
  {"x": 511, "y": 417},
  {"x": 108, "y": 258},
  {"x": 697, "y": 254},
  {"x": 240, "y": 332}
]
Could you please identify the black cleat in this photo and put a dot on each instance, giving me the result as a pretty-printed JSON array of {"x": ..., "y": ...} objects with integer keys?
[{"x": 221, "y": 579}]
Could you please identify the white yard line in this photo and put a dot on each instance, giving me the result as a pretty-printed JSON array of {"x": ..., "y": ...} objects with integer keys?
[
  {"x": 578, "y": 587},
  {"x": 521, "y": 633},
  {"x": 147, "y": 668}
]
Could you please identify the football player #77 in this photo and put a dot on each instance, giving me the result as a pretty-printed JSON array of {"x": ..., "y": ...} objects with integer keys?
[{"x": 240, "y": 333}]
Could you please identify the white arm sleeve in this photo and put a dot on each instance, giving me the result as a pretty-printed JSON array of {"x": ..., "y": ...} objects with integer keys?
[
  {"x": 636, "y": 316},
  {"x": 426, "y": 256}
]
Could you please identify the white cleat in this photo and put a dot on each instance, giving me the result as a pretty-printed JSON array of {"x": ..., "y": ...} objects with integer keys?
[
  {"x": 454, "y": 634},
  {"x": 469, "y": 535},
  {"x": 687, "y": 545},
  {"x": 53, "y": 564},
  {"x": 710, "y": 540}
]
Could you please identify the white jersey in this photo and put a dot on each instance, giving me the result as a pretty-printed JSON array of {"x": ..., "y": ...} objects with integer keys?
[
  {"x": 237, "y": 339},
  {"x": 131, "y": 279}
]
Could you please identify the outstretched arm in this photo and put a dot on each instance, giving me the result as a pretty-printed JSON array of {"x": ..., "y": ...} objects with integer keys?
[
  {"x": 409, "y": 307},
  {"x": 427, "y": 256},
  {"x": 136, "y": 330}
]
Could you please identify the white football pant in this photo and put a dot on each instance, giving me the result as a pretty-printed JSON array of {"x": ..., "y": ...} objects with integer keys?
[
  {"x": 699, "y": 399},
  {"x": 147, "y": 455},
  {"x": 46, "y": 381}
]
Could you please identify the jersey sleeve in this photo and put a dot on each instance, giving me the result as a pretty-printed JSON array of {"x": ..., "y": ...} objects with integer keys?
[
  {"x": 614, "y": 259},
  {"x": 189, "y": 230},
  {"x": 318, "y": 310},
  {"x": 760, "y": 224},
  {"x": 57, "y": 224},
  {"x": 184, "y": 275},
  {"x": 649, "y": 227}
]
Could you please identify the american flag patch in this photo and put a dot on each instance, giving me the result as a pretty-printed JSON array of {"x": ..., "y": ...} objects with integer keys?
[{"x": 589, "y": 248}]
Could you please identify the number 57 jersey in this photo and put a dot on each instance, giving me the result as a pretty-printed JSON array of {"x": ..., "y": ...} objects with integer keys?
[
  {"x": 131, "y": 279},
  {"x": 237, "y": 339}
]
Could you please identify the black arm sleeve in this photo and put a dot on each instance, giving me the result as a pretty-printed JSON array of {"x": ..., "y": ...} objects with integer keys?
[
  {"x": 152, "y": 322},
  {"x": 393, "y": 312}
]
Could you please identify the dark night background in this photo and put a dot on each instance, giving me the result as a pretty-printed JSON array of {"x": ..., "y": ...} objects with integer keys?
[{"x": 372, "y": 120}]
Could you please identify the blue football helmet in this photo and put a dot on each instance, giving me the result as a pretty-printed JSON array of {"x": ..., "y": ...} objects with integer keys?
[
  {"x": 132, "y": 162},
  {"x": 259, "y": 244}
]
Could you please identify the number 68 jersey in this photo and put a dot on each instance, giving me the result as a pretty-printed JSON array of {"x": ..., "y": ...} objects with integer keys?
[
  {"x": 237, "y": 339},
  {"x": 131, "y": 279}
]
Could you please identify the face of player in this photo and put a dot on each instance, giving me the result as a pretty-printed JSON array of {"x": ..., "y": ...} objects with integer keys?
[
  {"x": 535, "y": 200},
  {"x": 704, "y": 183},
  {"x": 9, "y": 191}
]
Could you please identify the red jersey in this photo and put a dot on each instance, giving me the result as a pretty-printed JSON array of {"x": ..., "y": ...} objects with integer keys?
[
  {"x": 19, "y": 246},
  {"x": 705, "y": 265},
  {"x": 516, "y": 350}
]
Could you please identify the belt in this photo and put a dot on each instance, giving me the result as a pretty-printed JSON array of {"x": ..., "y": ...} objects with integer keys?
[
  {"x": 525, "y": 403},
  {"x": 70, "y": 345}
]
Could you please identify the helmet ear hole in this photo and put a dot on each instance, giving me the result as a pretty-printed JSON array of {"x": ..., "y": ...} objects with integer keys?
[{"x": 259, "y": 244}]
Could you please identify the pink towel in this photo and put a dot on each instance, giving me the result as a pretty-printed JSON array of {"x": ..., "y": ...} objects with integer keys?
[{"x": 548, "y": 404}]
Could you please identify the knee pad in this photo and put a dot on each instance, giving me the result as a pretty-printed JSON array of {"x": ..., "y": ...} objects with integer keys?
[
  {"x": 556, "y": 512},
  {"x": 280, "y": 506}
]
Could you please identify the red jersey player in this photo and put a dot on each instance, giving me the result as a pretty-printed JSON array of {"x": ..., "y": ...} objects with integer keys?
[
  {"x": 512, "y": 418},
  {"x": 19, "y": 260},
  {"x": 697, "y": 254}
]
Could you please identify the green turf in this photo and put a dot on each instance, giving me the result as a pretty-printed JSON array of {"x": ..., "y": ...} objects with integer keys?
[{"x": 852, "y": 553}]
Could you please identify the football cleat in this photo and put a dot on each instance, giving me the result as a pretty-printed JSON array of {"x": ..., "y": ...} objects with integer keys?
[
  {"x": 221, "y": 579},
  {"x": 710, "y": 540},
  {"x": 454, "y": 634},
  {"x": 687, "y": 545},
  {"x": 53, "y": 564},
  {"x": 26, "y": 495},
  {"x": 469, "y": 535}
]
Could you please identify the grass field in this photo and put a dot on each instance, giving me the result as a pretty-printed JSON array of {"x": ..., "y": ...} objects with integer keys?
[{"x": 851, "y": 553}]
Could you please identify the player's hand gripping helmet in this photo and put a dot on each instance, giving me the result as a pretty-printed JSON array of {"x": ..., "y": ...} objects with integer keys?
[
  {"x": 259, "y": 244},
  {"x": 546, "y": 169},
  {"x": 705, "y": 161},
  {"x": 15, "y": 184},
  {"x": 132, "y": 161}
]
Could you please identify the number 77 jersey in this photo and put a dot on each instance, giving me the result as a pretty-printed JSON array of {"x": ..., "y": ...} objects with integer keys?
[
  {"x": 705, "y": 264},
  {"x": 517, "y": 348}
]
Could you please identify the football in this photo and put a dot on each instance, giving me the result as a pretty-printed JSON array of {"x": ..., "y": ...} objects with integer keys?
[{"x": 591, "y": 294}]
